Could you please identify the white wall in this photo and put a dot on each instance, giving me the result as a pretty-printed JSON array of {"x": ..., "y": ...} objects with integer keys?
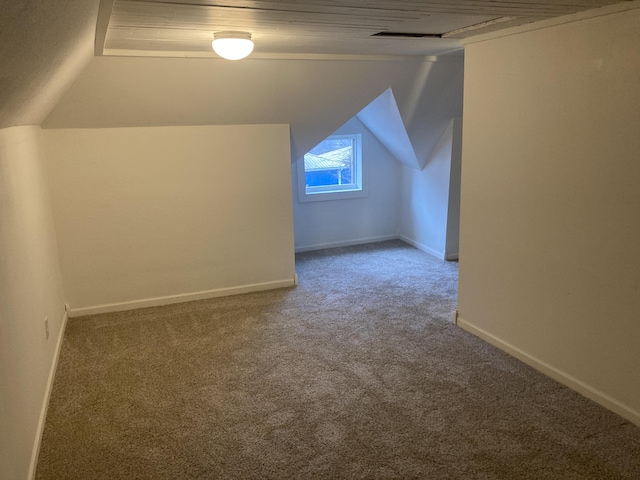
[
  {"x": 550, "y": 237},
  {"x": 176, "y": 212},
  {"x": 428, "y": 205},
  {"x": 322, "y": 224},
  {"x": 30, "y": 289}
]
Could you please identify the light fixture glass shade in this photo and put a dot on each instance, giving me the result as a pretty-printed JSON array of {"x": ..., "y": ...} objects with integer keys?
[{"x": 232, "y": 45}]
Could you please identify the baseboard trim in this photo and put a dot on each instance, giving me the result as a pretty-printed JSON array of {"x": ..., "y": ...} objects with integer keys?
[
  {"x": 347, "y": 243},
  {"x": 35, "y": 452},
  {"x": 423, "y": 247},
  {"x": 575, "y": 384},
  {"x": 183, "y": 297}
]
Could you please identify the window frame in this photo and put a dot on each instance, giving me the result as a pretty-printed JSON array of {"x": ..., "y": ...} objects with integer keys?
[{"x": 357, "y": 189}]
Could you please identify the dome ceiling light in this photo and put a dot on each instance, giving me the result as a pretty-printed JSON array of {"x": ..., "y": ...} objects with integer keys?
[{"x": 232, "y": 45}]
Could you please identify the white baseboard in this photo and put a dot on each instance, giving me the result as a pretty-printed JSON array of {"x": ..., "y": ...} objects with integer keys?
[
  {"x": 183, "y": 297},
  {"x": 347, "y": 243},
  {"x": 35, "y": 452},
  {"x": 423, "y": 247},
  {"x": 555, "y": 373}
]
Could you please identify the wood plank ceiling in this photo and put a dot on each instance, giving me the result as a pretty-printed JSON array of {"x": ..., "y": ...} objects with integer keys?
[{"x": 315, "y": 27}]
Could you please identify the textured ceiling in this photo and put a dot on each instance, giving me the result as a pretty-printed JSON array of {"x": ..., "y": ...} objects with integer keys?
[{"x": 316, "y": 27}]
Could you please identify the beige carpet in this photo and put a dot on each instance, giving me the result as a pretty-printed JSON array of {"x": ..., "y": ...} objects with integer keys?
[{"x": 356, "y": 373}]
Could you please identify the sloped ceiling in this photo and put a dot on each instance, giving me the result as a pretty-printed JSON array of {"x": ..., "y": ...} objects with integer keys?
[
  {"x": 43, "y": 46},
  {"x": 374, "y": 27},
  {"x": 314, "y": 97}
]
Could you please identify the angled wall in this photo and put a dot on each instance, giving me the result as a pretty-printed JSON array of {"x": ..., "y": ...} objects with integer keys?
[
  {"x": 550, "y": 238},
  {"x": 428, "y": 102},
  {"x": 429, "y": 208},
  {"x": 383, "y": 119}
]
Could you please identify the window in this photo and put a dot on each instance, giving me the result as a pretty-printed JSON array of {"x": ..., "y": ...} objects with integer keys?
[{"x": 332, "y": 170}]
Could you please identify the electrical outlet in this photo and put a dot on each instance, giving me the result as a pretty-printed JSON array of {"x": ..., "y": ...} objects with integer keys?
[{"x": 46, "y": 327}]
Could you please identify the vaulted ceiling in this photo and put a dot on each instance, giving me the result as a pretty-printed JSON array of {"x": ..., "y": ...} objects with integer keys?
[{"x": 316, "y": 27}]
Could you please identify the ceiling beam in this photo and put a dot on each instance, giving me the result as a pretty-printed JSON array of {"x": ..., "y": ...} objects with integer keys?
[{"x": 102, "y": 25}]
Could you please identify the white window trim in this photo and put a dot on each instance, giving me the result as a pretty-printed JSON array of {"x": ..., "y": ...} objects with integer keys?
[{"x": 336, "y": 192}]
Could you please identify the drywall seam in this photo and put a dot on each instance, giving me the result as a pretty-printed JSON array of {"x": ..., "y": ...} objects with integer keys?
[
  {"x": 346, "y": 243},
  {"x": 182, "y": 297},
  {"x": 554, "y": 373},
  {"x": 423, "y": 247},
  {"x": 45, "y": 401}
]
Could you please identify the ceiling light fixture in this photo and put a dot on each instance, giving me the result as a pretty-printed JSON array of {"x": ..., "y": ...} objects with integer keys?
[{"x": 232, "y": 45}]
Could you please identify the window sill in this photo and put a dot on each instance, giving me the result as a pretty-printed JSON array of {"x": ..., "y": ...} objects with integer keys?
[{"x": 325, "y": 196}]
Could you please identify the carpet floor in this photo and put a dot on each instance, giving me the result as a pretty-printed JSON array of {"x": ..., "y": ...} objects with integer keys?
[{"x": 357, "y": 373}]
